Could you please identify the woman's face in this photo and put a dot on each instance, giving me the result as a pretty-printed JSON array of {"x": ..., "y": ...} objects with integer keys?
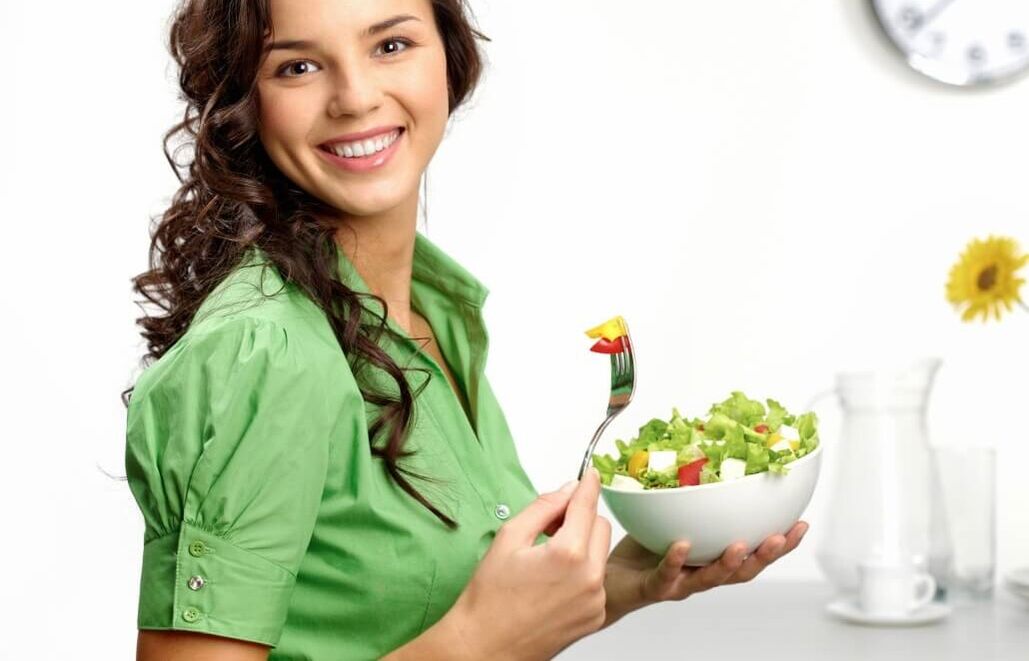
[{"x": 353, "y": 75}]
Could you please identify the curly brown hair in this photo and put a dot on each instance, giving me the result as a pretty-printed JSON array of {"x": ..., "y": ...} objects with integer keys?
[{"x": 232, "y": 197}]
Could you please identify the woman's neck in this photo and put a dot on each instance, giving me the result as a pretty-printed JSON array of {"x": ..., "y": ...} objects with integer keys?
[{"x": 381, "y": 248}]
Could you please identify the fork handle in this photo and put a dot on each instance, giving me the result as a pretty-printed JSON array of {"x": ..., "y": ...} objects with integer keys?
[{"x": 596, "y": 437}]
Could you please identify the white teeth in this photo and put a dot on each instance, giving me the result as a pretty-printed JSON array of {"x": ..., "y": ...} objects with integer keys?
[{"x": 365, "y": 147}]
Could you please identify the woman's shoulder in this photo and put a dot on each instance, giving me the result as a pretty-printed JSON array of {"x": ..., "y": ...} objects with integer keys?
[
  {"x": 256, "y": 288},
  {"x": 255, "y": 319},
  {"x": 222, "y": 349}
]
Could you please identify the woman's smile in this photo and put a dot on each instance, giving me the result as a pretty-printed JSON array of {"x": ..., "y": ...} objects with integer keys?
[{"x": 362, "y": 155}]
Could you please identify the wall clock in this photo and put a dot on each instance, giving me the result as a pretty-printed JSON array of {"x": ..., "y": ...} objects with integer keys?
[{"x": 960, "y": 42}]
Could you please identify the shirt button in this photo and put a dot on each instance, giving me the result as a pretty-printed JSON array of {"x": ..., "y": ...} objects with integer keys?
[
  {"x": 191, "y": 614},
  {"x": 502, "y": 511},
  {"x": 197, "y": 549},
  {"x": 196, "y": 582}
]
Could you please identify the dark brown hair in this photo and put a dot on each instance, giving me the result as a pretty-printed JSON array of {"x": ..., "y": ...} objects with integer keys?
[{"x": 232, "y": 197}]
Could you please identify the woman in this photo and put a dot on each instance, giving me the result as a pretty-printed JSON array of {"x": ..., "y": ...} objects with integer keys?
[{"x": 322, "y": 467}]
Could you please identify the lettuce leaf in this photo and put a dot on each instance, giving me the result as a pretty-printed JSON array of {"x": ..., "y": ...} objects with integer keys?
[
  {"x": 606, "y": 466},
  {"x": 757, "y": 458},
  {"x": 746, "y": 412}
]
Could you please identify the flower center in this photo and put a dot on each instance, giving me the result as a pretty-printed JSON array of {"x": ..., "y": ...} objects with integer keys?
[{"x": 987, "y": 278}]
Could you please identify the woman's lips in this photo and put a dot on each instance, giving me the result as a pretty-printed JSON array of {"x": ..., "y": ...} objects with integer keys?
[{"x": 362, "y": 163}]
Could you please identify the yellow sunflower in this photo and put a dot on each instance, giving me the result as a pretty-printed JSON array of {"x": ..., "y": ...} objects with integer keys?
[{"x": 984, "y": 279}]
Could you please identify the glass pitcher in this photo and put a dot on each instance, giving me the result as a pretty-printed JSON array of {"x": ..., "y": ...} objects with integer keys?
[{"x": 886, "y": 500}]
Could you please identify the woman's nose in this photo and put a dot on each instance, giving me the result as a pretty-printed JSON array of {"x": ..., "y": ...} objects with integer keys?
[{"x": 355, "y": 91}]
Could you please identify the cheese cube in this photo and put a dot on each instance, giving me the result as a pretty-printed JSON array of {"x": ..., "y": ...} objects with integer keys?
[
  {"x": 661, "y": 460},
  {"x": 782, "y": 446},
  {"x": 789, "y": 433},
  {"x": 626, "y": 483},
  {"x": 732, "y": 468}
]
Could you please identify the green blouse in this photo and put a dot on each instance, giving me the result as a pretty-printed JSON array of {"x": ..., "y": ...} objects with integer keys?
[{"x": 266, "y": 516}]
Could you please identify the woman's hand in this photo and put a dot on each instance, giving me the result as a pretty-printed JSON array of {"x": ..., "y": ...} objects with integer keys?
[
  {"x": 529, "y": 601},
  {"x": 636, "y": 577}
]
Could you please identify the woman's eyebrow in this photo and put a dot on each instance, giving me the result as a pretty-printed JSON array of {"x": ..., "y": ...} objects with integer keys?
[{"x": 371, "y": 31}]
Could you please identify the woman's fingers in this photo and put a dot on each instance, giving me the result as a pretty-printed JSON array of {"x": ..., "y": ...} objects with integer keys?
[
  {"x": 600, "y": 541},
  {"x": 671, "y": 566},
  {"x": 555, "y": 525},
  {"x": 794, "y": 536},
  {"x": 538, "y": 516},
  {"x": 580, "y": 514},
  {"x": 769, "y": 551},
  {"x": 720, "y": 571},
  {"x": 677, "y": 581}
]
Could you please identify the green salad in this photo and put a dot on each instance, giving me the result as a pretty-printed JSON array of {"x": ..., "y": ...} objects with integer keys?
[{"x": 740, "y": 436}]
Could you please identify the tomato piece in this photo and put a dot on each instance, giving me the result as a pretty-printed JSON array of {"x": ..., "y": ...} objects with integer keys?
[
  {"x": 761, "y": 429},
  {"x": 689, "y": 474},
  {"x": 608, "y": 346},
  {"x": 638, "y": 462}
]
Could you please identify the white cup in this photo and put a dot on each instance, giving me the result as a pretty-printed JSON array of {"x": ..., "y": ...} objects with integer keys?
[{"x": 893, "y": 589}]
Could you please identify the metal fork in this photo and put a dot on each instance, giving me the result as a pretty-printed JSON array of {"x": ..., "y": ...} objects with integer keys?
[{"x": 623, "y": 385}]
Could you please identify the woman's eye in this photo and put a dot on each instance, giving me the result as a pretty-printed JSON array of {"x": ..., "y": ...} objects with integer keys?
[
  {"x": 291, "y": 66},
  {"x": 396, "y": 40}
]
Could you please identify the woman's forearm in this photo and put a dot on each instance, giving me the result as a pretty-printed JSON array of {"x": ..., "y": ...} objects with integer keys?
[{"x": 448, "y": 639}]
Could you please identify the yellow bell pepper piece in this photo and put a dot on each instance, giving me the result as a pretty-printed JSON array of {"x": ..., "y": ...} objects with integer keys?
[
  {"x": 638, "y": 462},
  {"x": 773, "y": 439},
  {"x": 610, "y": 330}
]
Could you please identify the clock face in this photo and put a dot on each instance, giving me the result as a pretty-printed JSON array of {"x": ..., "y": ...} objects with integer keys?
[{"x": 961, "y": 42}]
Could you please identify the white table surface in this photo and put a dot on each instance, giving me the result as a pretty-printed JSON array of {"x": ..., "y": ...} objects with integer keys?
[{"x": 768, "y": 620}]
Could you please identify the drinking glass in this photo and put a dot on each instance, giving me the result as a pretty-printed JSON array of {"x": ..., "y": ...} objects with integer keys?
[{"x": 968, "y": 481}]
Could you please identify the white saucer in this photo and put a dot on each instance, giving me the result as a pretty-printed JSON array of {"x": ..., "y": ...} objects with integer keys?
[{"x": 846, "y": 608}]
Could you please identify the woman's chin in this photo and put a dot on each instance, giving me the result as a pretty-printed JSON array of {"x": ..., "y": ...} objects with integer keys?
[{"x": 367, "y": 203}]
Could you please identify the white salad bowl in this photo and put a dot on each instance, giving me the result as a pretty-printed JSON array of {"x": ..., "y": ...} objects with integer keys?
[{"x": 713, "y": 516}]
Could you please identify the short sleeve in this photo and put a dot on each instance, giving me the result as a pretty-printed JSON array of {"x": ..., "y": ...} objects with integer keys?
[{"x": 227, "y": 445}]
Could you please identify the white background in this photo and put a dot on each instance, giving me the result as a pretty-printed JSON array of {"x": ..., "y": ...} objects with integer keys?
[{"x": 762, "y": 189}]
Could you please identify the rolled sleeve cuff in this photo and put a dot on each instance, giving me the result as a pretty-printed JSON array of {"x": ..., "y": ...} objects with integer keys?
[{"x": 193, "y": 580}]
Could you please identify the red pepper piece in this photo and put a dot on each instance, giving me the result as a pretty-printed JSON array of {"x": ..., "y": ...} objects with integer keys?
[
  {"x": 608, "y": 346},
  {"x": 761, "y": 429},
  {"x": 689, "y": 474}
]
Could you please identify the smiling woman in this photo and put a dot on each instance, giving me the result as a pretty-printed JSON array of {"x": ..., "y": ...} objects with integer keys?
[
  {"x": 311, "y": 124},
  {"x": 321, "y": 465}
]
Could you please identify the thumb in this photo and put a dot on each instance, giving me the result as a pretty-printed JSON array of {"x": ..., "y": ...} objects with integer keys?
[{"x": 539, "y": 515}]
